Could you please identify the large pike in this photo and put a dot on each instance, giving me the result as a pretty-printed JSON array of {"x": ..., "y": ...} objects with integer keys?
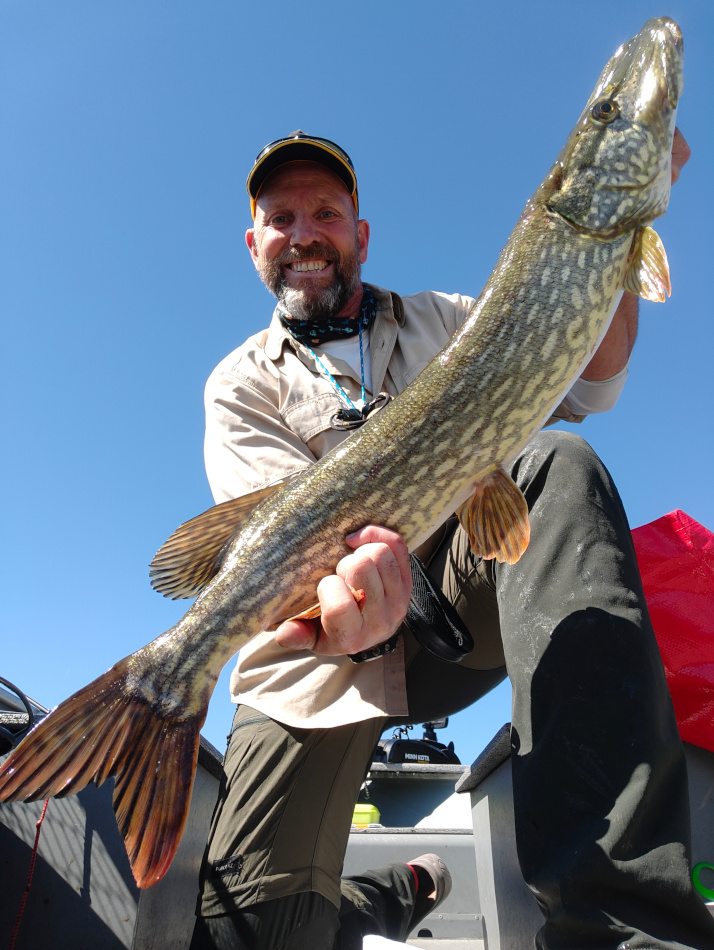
[{"x": 444, "y": 445}]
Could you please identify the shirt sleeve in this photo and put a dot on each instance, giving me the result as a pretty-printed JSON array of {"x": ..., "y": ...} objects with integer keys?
[
  {"x": 247, "y": 444},
  {"x": 589, "y": 396},
  {"x": 452, "y": 309},
  {"x": 585, "y": 396}
]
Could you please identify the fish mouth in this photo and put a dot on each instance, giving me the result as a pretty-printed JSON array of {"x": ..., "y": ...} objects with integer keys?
[
  {"x": 654, "y": 58},
  {"x": 614, "y": 172},
  {"x": 668, "y": 47}
]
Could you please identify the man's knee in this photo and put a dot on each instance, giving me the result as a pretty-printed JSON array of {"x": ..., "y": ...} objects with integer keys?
[
  {"x": 283, "y": 816},
  {"x": 563, "y": 462},
  {"x": 568, "y": 446}
]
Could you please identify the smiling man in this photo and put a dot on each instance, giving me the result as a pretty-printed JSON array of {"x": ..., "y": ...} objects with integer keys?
[
  {"x": 308, "y": 245},
  {"x": 568, "y": 625}
]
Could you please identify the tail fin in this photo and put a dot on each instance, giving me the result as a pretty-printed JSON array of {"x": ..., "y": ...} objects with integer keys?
[{"x": 102, "y": 731}]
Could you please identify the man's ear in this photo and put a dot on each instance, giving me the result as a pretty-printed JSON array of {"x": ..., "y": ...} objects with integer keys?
[
  {"x": 363, "y": 238},
  {"x": 252, "y": 244}
]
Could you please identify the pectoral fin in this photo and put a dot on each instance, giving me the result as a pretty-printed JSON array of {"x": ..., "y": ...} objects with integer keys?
[
  {"x": 496, "y": 519},
  {"x": 191, "y": 557},
  {"x": 648, "y": 270}
]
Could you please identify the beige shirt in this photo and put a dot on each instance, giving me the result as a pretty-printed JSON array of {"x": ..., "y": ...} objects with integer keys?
[{"x": 268, "y": 409}]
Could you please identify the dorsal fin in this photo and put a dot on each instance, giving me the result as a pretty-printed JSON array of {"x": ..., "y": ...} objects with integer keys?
[
  {"x": 191, "y": 557},
  {"x": 648, "y": 270}
]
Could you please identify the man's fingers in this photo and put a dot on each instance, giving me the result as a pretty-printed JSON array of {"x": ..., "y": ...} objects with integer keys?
[
  {"x": 681, "y": 154},
  {"x": 342, "y": 614},
  {"x": 378, "y": 566},
  {"x": 298, "y": 634},
  {"x": 375, "y": 569},
  {"x": 340, "y": 609},
  {"x": 375, "y": 534}
]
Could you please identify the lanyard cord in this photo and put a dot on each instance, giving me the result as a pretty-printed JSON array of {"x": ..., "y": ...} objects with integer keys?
[
  {"x": 368, "y": 310},
  {"x": 338, "y": 389}
]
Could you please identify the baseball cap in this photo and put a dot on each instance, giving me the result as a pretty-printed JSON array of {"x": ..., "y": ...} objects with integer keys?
[{"x": 301, "y": 147}]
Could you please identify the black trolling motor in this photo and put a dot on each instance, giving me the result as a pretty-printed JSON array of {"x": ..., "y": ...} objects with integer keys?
[{"x": 425, "y": 751}]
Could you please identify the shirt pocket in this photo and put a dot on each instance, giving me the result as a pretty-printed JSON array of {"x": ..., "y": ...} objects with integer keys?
[{"x": 310, "y": 416}]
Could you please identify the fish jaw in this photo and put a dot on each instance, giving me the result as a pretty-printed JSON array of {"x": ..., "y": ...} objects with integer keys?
[{"x": 614, "y": 175}]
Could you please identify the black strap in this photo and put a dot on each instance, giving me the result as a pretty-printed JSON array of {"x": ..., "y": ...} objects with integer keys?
[
  {"x": 433, "y": 620},
  {"x": 374, "y": 653}
]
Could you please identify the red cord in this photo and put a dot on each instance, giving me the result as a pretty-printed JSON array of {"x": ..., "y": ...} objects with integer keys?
[
  {"x": 38, "y": 825},
  {"x": 416, "y": 881}
]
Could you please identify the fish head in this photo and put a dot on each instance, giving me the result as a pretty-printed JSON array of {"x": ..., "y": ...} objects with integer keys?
[{"x": 614, "y": 172}]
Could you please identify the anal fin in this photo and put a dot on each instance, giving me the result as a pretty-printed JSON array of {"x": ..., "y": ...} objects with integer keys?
[
  {"x": 496, "y": 519},
  {"x": 314, "y": 611},
  {"x": 647, "y": 273}
]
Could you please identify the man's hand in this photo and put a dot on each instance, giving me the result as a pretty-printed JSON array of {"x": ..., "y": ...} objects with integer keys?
[
  {"x": 616, "y": 346},
  {"x": 380, "y": 567},
  {"x": 681, "y": 154}
]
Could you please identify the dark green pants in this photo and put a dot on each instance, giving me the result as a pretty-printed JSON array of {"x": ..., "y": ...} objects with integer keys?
[
  {"x": 600, "y": 786},
  {"x": 379, "y": 902}
]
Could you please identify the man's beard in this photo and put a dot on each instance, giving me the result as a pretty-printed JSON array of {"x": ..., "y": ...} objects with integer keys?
[{"x": 315, "y": 301}]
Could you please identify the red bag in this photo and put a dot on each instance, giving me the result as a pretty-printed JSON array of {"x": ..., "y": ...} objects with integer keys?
[{"x": 676, "y": 559}]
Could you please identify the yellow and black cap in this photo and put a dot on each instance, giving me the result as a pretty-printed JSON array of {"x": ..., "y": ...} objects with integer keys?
[{"x": 301, "y": 147}]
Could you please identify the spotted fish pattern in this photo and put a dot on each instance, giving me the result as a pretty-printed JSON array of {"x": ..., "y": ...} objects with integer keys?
[{"x": 442, "y": 446}]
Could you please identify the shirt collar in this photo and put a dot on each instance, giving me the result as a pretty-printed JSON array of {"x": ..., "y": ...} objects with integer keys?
[{"x": 278, "y": 337}]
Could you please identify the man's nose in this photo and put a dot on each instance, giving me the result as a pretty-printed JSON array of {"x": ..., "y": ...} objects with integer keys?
[{"x": 304, "y": 230}]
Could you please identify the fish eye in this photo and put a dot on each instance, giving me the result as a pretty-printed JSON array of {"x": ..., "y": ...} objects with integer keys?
[{"x": 605, "y": 110}]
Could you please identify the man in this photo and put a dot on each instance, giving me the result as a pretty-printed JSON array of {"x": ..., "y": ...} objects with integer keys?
[{"x": 599, "y": 778}]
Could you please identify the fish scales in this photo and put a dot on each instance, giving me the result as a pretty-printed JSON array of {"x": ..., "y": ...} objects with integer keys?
[{"x": 443, "y": 445}]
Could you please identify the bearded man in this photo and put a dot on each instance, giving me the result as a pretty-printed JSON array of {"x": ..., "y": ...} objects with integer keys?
[{"x": 568, "y": 624}]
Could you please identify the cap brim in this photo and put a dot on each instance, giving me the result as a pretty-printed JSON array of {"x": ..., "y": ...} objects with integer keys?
[{"x": 295, "y": 151}]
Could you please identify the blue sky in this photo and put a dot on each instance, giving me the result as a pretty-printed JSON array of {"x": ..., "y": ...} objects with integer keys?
[{"x": 128, "y": 131}]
